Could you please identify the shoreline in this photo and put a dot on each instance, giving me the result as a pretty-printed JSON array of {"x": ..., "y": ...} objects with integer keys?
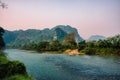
[
  {"x": 78, "y": 53},
  {"x": 18, "y": 69},
  {"x": 71, "y": 53}
]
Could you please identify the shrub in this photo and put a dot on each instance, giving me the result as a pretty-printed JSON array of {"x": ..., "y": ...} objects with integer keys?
[
  {"x": 11, "y": 68},
  {"x": 90, "y": 51},
  {"x": 19, "y": 77}
]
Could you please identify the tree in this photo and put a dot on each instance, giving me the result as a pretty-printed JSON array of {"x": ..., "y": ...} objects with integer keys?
[
  {"x": 66, "y": 46},
  {"x": 90, "y": 51},
  {"x": 81, "y": 45},
  {"x": 43, "y": 46},
  {"x": 111, "y": 42},
  {"x": 91, "y": 44},
  {"x": 70, "y": 41},
  {"x": 55, "y": 46},
  {"x": 2, "y": 44},
  {"x": 115, "y": 41},
  {"x": 100, "y": 44}
]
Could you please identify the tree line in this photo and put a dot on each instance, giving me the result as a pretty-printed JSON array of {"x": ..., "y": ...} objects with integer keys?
[
  {"x": 48, "y": 46},
  {"x": 110, "y": 45}
]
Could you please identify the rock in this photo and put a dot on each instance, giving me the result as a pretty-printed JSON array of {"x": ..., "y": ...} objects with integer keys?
[{"x": 72, "y": 52}]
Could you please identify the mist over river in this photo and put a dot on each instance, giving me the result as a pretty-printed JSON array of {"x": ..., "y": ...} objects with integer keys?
[{"x": 65, "y": 67}]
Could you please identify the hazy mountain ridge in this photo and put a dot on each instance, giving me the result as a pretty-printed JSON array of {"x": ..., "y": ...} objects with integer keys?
[
  {"x": 10, "y": 36},
  {"x": 33, "y": 35},
  {"x": 96, "y": 38}
]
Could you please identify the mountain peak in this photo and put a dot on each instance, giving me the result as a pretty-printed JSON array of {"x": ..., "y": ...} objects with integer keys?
[
  {"x": 69, "y": 29},
  {"x": 96, "y": 38}
]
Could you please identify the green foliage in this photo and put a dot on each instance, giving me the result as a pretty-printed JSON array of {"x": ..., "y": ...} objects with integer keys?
[
  {"x": 108, "y": 51},
  {"x": 70, "y": 42},
  {"x": 1, "y": 31},
  {"x": 110, "y": 46},
  {"x": 43, "y": 46},
  {"x": 2, "y": 44},
  {"x": 3, "y": 59},
  {"x": 112, "y": 42},
  {"x": 19, "y": 77},
  {"x": 11, "y": 68},
  {"x": 89, "y": 51},
  {"x": 115, "y": 41},
  {"x": 91, "y": 44},
  {"x": 68, "y": 46},
  {"x": 55, "y": 46},
  {"x": 104, "y": 44},
  {"x": 28, "y": 46},
  {"x": 81, "y": 45}
]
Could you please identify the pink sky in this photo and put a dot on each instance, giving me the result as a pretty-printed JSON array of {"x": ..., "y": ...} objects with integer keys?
[{"x": 90, "y": 17}]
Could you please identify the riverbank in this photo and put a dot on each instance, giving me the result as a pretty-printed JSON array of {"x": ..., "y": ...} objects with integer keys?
[
  {"x": 101, "y": 51},
  {"x": 68, "y": 51},
  {"x": 73, "y": 52},
  {"x": 85, "y": 51},
  {"x": 65, "y": 67},
  {"x": 12, "y": 70}
]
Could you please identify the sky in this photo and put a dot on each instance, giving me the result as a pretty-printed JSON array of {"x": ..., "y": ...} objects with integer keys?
[{"x": 90, "y": 17}]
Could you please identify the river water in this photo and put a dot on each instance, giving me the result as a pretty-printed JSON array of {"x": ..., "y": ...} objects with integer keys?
[{"x": 65, "y": 67}]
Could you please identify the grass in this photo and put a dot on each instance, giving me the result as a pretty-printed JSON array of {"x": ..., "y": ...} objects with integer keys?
[
  {"x": 19, "y": 77},
  {"x": 3, "y": 59},
  {"x": 12, "y": 70}
]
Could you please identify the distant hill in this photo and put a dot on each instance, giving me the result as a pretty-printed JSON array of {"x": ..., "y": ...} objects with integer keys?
[
  {"x": 33, "y": 35},
  {"x": 10, "y": 36},
  {"x": 96, "y": 38},
  {"x": 68, "y": 29}
]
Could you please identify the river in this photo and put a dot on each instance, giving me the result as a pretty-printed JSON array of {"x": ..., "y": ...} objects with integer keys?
[{"x": 65, "y": 67}]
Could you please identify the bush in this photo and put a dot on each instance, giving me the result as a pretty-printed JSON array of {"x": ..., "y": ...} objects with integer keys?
[
  {"x": 11, "y": 68},
  {"x": 89, "y": 51},
  {"x": 42, "y": 46},
  {"x": 81, "y": 45},
  {"x": 55, "y": 46},
  {"x": 3, "y": 59},
  {"x": 19, "y": 77}
]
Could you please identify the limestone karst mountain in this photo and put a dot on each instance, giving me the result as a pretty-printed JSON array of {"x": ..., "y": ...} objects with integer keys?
[{"x": 33, "y": 35}]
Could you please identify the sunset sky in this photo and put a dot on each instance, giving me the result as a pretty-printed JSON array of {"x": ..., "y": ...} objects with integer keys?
[{"x": 90, "y": 17}]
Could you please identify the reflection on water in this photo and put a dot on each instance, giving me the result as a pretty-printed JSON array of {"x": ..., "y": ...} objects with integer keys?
[{"x": 65, "y": 67}]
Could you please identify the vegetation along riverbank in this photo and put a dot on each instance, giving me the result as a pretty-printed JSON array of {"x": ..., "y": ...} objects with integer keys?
[
  {"x": 11, "y": 70},
  {"x": 62, "y": 39},
  {"x": 109, "y": 46}
]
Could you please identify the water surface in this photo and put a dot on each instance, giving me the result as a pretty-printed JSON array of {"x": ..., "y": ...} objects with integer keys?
[{"x": 65, "y": 67}]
